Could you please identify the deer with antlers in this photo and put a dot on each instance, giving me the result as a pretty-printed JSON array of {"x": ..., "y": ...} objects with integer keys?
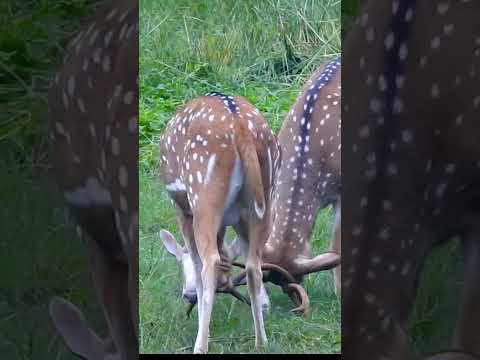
[
  {"x": 311, "y": 137},
  {"x": 94, "y": 112},
  {"x": 413, "y": 170},
  {"x": 309, "y": 179},
  {"x": 219, "y": 160}
]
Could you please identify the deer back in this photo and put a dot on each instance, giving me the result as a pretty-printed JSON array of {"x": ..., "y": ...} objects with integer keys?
[
  {"x": 310, "y": 171},
  {"x": 202, "y": 135}
]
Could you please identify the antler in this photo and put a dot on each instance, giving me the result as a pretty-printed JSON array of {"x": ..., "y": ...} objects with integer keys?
[
  {"x": 293, "y": 289},
  {"x": 232, "y": 291},
  {"x": 303, "y": 302},
  {"x": 325, "y": 261}
]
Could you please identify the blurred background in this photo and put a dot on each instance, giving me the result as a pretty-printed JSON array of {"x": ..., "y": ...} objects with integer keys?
[
  {"x": 40, "y": 255},
  {"x": 434, "y": 313},
  {"x": 264, "y": 51}
]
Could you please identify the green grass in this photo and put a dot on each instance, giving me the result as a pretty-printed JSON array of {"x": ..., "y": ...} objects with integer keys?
[
  {"x": 165, "y": 327},
  {"x": 263, "y": 50},
  {"x": 435, "y": 311},
  {"x": 40, "y": 256}
]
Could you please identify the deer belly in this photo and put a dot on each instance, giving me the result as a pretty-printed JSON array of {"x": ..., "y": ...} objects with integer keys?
[{"x": 231, "y": 216}]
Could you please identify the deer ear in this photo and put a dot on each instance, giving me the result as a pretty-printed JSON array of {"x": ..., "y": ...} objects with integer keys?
[
  {"x": 171, "y": 245},
  {"x": 70, "y": 323}
]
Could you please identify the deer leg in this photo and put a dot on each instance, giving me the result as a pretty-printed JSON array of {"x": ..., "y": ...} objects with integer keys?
[
  {"x": 110, "y": 277},
  {"x": 337, "y": 247},
  {"x": 206, "y": 226},
  {"x": 257, "y": 236},
  {"x": 241, "y": 230},
  {"x": 186, "y": 227},
  {"x": 467, "y": 337},
  {"x": 130, "y": 241}
]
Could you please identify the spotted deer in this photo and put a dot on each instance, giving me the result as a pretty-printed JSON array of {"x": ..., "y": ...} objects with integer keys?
[
  {"x": 310, "y": 141},
  {"x": 93, "y": 104},
  {"x": 219, "y": 160},
  {"x": 412, "y": 167},
  {"x": 309, "y": 177}
]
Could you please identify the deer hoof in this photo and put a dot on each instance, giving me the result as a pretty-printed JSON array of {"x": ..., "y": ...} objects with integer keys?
[{"x": 200, "y": 349}]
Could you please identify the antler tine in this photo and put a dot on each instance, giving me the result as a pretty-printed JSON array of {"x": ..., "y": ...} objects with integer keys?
[
  {"x": 239, "y": 296},
  {"x": 239, "y": 279},
  {"x": 238, "y": 264},
  {"x": 280, "y": 270},
  {"x": 294, "y": 290},
  {"x": 325, "y": 261},
  {"x": 304, "y": 302},
  {"x": 235, "y": 293}
]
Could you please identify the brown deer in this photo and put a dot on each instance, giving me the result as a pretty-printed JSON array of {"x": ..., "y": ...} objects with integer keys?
[
  {"x": 94, "y": 112},
  {"x": 219, "y": 160},
  {"x": 413, "y": 173},
  {"x": 309, "y": 179},
  {"x": 314, "y": 125}
]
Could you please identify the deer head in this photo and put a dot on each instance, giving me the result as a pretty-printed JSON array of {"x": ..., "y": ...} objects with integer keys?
[
  {"x": 413, "y": 174},
  {"x": 93, "y": 104}
]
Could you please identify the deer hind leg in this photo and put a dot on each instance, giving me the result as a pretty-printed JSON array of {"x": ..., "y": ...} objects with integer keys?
[
  {"x": 467, "y": 336},
  {"x": 111, "y": 279},
  {"x": 110, "y": 272},
  {"x": 206, "y": 224},
  {"x": 241, "y": 229},
  {"x": 337, "y": 247},
  {"x": 256, "y": 242}
]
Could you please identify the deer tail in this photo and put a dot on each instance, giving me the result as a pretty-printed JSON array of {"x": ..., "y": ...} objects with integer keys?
[{"x": 245, "y": 146}]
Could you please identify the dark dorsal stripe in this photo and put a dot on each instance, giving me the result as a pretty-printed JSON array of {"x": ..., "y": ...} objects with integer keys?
[
  {"x": 305, "y": 125},
  {"x": 228, "y": 100},
  {"x": 398, "y": 34}
]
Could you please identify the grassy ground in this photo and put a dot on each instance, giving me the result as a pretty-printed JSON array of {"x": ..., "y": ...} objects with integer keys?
[
  {"x": 40, "y": 255},
  {"x": 165, "y": 327},
  {"x": 262, "y": 50}
]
